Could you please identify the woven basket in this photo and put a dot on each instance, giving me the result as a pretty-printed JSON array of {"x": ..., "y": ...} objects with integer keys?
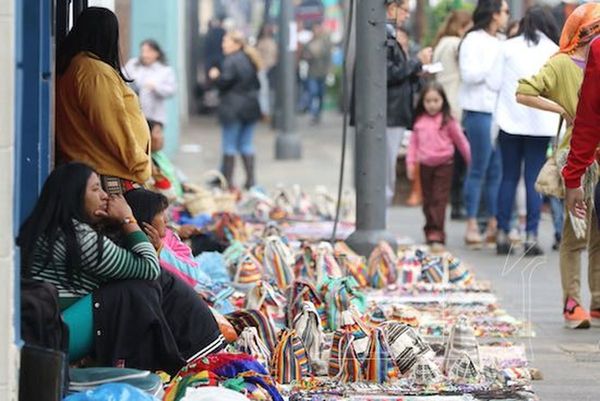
[{"x": 209, "y": 201}]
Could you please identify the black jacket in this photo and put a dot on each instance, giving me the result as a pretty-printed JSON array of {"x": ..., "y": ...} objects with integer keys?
[
  {"x": 238, "y": 86},
  {"x": 402, "y": 79}
]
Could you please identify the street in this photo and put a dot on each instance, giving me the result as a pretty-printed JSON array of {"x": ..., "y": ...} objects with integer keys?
[{"x": 528, "y": 288}]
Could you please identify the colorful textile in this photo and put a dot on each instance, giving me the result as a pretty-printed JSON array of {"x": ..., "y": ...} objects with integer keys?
[
  {"x": 290, "y": 361},
  {"x": 581, "y": 26},
  {"x": 383, "y": 266},
  {"x": 253, "y": 318}
]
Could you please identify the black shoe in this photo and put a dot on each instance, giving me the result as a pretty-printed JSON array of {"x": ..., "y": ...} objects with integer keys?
[
  {"x": 531, "y": 246},
  {"x": 503, "y": 245},
  {"x": 556, "y": 245}
]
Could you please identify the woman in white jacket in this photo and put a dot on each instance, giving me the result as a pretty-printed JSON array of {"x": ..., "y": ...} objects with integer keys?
[
  {"x": 153, "y": 80},
  {"x": 524, "y": 132},
  {"x": 477, "y": 54}
]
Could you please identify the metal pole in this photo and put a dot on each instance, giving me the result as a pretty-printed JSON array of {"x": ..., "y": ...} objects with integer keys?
[
  {"x": 288, "y": 144},
  {"x": 371, "y": 116}
]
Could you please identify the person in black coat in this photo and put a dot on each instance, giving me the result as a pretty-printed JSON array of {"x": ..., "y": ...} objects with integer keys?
[
  {"x": 239, "y": 108},
  {"x": 403, "y": 74}
]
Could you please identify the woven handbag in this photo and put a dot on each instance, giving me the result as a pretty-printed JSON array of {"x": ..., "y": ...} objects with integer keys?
[
  {"x": 464, "y": 369},
  {"x": 549, "y": 181},
  {"x": 254, "y": 318},
  {"x": 306, "y": 262},
  {"x": 461, "y": 340},
  {"x": 409, "y": 268},
  {"x": 250, "y": 342},
  {"x": 378, "y": 366},
  {"x": 308, "y": 327},
  {"x": 290, "y": 362},
  {"x": 344, "y": 364},
  {"x": 426, "y": 372},
  {"x": 278, "y": 261},
  {"x": 405, "y": 345},
  {"x": 339, "y": 294},
  {"x": 326, "y": 265},
  {"x": 248, "y": 271},
  {"x": 299, "y": 292},
  {"x": 383, "y": 266},
  {"x": 352, "y": 263},
  {"x": 265, "y": 298}
]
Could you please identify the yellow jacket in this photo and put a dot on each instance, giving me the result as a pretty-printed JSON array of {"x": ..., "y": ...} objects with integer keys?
[{"x": 99, "y": 121}]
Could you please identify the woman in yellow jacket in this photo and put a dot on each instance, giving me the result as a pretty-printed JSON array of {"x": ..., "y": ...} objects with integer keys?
[{"x": 98, "y": 117}]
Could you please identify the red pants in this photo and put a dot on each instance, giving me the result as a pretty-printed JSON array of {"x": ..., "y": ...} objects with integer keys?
[{"x": 436, "y": 183}]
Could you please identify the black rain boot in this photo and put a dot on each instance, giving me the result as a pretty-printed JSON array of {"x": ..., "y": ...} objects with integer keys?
[
  {"x": 228, "y": 166},
  {"x": 249, "y": 167}
]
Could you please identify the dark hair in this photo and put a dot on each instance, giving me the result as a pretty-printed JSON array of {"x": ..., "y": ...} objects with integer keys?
[
  {"x": 153, "y": 123},
  {"x": 539, "y": 19},
  {"x": 97, "y": 31},
  {"x": 434, "y": 86},
  {"x": 146, "y": 204},
  {"x": 61, "y": 201},
  {"x": 484, "y": 14},
  {"x": 153, "y": 44}
]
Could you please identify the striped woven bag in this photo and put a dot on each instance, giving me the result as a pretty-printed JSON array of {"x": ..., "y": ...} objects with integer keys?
[
  {"x": 308, "y": 327},
  {"x": 326, "y": 265},
  {"x": 378, "y": 366},
  {"x": 405, "y": 345},
  {"x": 344, "y": 364},
  {"x": 339, "y": 294},
  {"x": 290, "y": 362},
  {"x": 383, "y": 266},
  {"x": 278, "y": 261},
  {"x": 299, "y": 292},
  {"x": 352, "y": 263},
  {"x": 305, "y": 265},
  {"x": 254, "y": 318},
  {"x": 250, "y": 343},
  {"x": 270, "y": 301}
]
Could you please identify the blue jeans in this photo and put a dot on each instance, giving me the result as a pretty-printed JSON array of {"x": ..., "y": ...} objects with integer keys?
[
  {"x": 518, "y": 150},
  {"x": 316, "y": 89},
  {"x": 558, "y": 216},
  {"x": 486, "y": 164},
  {"x": 237, "y": 138}
]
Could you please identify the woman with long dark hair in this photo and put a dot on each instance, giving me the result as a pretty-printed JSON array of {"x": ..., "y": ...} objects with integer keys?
[
  {"x": 239, "y": 109},
  {"x": 477, "y": 54},
  {"x": 524, "y": 132},
  {"x": 98, "y": 116},
  {"x": 153, "y": 80},
  {"x": 128, "y": 311}
]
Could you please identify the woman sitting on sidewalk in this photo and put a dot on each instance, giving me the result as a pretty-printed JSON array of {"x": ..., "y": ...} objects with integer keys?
[{"x": 126, "y": 312}]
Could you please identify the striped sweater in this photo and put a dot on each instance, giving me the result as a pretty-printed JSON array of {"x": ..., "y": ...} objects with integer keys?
[{"x": 136, "y": 260}]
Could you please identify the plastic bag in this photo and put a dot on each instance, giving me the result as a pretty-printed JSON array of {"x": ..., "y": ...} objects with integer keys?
[{"x": 112, "y": 392}]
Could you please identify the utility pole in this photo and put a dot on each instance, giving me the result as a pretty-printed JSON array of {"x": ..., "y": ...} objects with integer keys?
[
  {"x": 288, "y": 144},
  {"x": 371, "y": 117}
]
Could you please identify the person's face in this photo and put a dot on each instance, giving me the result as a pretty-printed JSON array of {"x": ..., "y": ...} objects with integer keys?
[
  {"x": 502, "y": 18},
  {"x": 95, "y": 198},
  {"x": 148, "y": 55},
  {"x": 158, "y": 139},
  {"x": 229, "y": 45},
  {"x": 159, "y": 222},
  {"x": 398, "y": 12},
  {"x": 433, "y": 102}
]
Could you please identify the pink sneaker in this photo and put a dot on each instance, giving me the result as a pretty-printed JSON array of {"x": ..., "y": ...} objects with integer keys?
[{"x": 575, "y": 316}]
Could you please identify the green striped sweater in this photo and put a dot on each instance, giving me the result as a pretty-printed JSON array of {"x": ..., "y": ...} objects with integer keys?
[{"x": 136, "y": 260}]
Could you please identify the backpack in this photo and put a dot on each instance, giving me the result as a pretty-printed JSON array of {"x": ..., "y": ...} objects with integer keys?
[
  {"x": 383, "y": 266},
  {"x": 409, "y": 268},
  {"x": 278, "y": 261},
  {"x": 457, "y": 272},
  {"x": 248, "y": 271},
  {"x": 290, "y": 362},
  {"x": 308, "y": 326}
]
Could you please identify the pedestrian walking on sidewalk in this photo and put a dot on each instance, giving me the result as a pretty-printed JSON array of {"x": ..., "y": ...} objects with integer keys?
[
  {"x": 556, "y": 88},
  {"x": 445, "y": 51},
  {"x": 98, "y": 116},
  {"x": 239, "y": 109},
  {"x": 436, "y": 135},
  {"x": 524, "y": 132},
  {"x": 317, "y": 53},
  {"x": 153, "y": 80},
  {"x": 477, "y": 54}
]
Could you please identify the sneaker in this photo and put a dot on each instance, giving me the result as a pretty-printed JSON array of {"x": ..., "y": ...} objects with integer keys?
[
  {"x": 503, "y": 243},
  {"x": 531, "y": 246},
  {"x": 595, "y": 317},
  {"x": 575, "y": 316}
]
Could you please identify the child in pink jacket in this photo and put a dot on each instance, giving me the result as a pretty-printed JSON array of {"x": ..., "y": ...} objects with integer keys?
[{"x": 432, "y": 144}]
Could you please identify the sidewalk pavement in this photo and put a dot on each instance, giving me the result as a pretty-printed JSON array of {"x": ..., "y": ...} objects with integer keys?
[{"x": 528, "y": 288}]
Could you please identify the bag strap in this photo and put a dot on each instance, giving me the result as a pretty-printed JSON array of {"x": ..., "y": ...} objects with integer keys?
[{"x": 556, "y": 144}]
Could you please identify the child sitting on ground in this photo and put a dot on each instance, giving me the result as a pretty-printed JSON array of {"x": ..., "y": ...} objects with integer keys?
[{"x": 432, "y": 144}]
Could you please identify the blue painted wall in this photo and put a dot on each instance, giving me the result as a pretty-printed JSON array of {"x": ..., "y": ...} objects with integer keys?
[{"x": 159, "y": 20}]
